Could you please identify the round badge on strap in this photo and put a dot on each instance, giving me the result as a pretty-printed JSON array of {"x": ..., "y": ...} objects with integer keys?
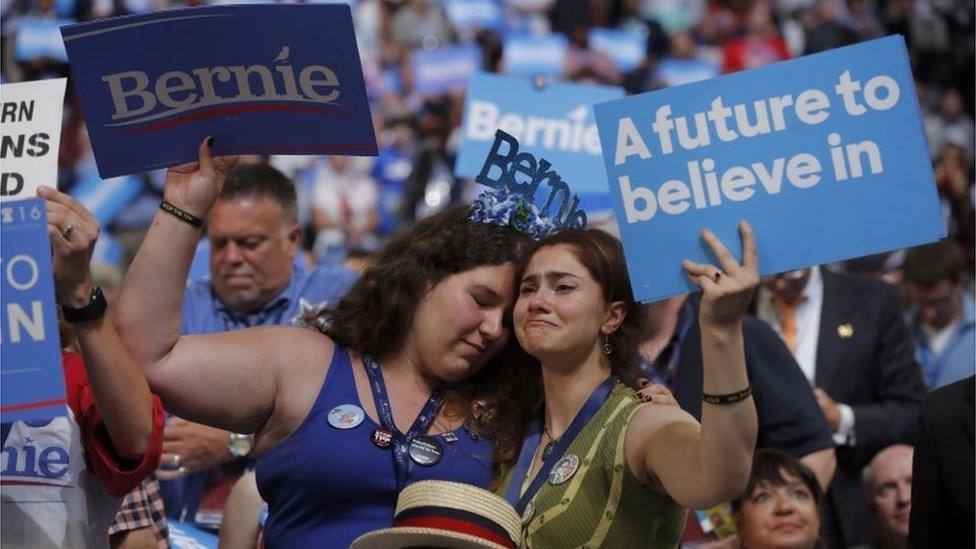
[
  {"x": 564, "y": 469},
  {"x": 426, "y": 451},
  {"x": 346, "y": 416},
  {"x": 383, "y": 438}
]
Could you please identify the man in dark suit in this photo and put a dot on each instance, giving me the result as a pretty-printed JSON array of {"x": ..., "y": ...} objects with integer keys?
[
  {"x": 943, "y": 475},
  {"x": 849, "y": 337}
]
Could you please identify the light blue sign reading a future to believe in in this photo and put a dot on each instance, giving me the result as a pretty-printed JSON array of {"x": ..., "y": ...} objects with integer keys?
[
  {"x": 260, "y": 79},
  {"x": 31, "y": 378},
  {"x": 823, "y": 155},
  {"x": 554, "y": 122}
]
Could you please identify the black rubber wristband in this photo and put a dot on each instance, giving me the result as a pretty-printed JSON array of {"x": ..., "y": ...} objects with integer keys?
[
  {"x": 182, "y": 215},
  {"x": 93, "y": 310},
  {"x": 730, "y": 398}
]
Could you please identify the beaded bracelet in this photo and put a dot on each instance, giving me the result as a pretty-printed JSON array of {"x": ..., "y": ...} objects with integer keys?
[
  {"x": 180, "y": 214},
  {"x": 730, "y": 398}
]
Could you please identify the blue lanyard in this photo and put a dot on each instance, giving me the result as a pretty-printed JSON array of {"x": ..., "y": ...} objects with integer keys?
[
  {"x": 531, "y": 443},
  {"x": 401, "y": 446}
]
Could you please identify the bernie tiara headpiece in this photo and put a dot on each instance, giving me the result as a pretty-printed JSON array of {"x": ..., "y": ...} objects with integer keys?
[{"x": 510, "y": 203}]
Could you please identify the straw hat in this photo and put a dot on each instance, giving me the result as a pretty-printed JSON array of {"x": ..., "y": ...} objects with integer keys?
[{"x": 438, "y": 513}]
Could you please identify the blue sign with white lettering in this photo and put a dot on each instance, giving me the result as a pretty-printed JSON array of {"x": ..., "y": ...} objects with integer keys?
[
  {"x": 38, "y": 38},
  {"x": 31, "y": 378},
  {"x": 467, "y": 15},
  {"x": 627, "y": 49},
  {"x": 823, "y": 155},
  {"x": 445, "y": 69},
  {"x": 530, "y": 55},
  {"x": 261, "y": 79},
  {"x": 185, "y": 535},
  {"x": 554, "y": 123}
]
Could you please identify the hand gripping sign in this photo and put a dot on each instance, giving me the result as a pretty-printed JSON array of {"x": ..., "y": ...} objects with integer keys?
[
  {"x": 823, "y": 155},
  {"x": 260, "y": 79},
  {"x": 31, "y": 378}
]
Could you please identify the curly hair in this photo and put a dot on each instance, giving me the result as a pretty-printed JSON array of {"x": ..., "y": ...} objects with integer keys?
[{"x": 377, "y": 314}]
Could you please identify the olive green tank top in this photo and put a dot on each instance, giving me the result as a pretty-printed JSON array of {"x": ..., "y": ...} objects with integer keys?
[{"x": 601, "y": 503}]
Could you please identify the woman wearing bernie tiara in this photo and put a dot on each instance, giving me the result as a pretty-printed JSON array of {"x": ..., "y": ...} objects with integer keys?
[
  {"x": 598, "y": 468},
  {"x": 344, "y": 421}
]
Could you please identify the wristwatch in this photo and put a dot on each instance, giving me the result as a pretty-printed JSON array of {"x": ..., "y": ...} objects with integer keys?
[
  {"x": 93, "y": 310},
  {"x": 240, "y": 445}
]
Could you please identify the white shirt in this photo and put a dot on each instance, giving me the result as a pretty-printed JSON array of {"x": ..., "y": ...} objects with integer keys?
[
  {"x": 807, "y": 315},
  {"x": 938, "y": 339},
  {"x": 355, "y": 187},
  {"x": 50, "y": 498}
]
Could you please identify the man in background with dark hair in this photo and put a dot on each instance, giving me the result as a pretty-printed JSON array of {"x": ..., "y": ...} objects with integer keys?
[
  {"x": 943, "y": 315},
  {"x": 255, "y": 280}
]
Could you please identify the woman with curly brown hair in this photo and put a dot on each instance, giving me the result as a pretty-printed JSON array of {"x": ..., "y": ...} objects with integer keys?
[{"x": 393, "y": 380}]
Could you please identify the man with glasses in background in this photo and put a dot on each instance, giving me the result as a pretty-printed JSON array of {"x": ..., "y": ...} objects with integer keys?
[{"x": 942, "y": 318}]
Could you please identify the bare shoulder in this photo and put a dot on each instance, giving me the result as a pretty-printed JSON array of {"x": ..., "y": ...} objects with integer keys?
[
  {"x": 295, "y": 344},
  {"x": 303, "y": 357},
  {"x": 652, "y": 417},
  {"x": 652, "y": 426}
]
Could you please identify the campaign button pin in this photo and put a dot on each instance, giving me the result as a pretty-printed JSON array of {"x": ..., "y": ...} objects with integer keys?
[
  {"x": 426, "y": 451},
  {"x": 346, "y": 416},
  {"x": 564, "y": 470},
  {"x": 383, "y": 438}
]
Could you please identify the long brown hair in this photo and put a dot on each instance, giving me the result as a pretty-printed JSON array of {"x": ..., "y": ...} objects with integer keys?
[
  {"x": 378, "y": 312},
  {"x": 603, "y": 257}
]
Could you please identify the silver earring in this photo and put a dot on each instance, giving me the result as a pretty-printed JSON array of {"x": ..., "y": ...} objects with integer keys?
[{"x": 607, "y": 348}]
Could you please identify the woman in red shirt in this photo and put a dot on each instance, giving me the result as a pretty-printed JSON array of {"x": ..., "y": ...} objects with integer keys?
[{"x": 63, "y": 479}]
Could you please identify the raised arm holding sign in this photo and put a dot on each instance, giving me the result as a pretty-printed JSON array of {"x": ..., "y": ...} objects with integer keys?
[
  {"x": 262, "y": 79},
  {"x": 62, "y": 478}
]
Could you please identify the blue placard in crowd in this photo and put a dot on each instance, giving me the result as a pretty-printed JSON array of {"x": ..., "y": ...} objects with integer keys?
[
  {"x": 445, "y": 69},
  {"x": 31, "y": 378},
  {"x": 184, "y": 535},
  {"x": 525, "y": 54},
  {"x": 105, "y": 199},
  {"x": 263, "y": 79},
  {"x": 824, "y": 155},
  {"x": 627, "y": 49},
  {"x": 554, "y": 122},
  {"x": 39, "y": 38},
  {"x": 466, "y": 15}
]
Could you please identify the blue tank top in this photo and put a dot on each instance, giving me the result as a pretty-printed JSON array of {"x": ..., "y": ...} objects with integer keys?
[{"x": 326, "y": 486}]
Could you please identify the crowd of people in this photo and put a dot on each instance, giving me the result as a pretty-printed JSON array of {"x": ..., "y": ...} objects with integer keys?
[
  {"x": 349, "y": 206},
  {"x": 265, "y": 334}
]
